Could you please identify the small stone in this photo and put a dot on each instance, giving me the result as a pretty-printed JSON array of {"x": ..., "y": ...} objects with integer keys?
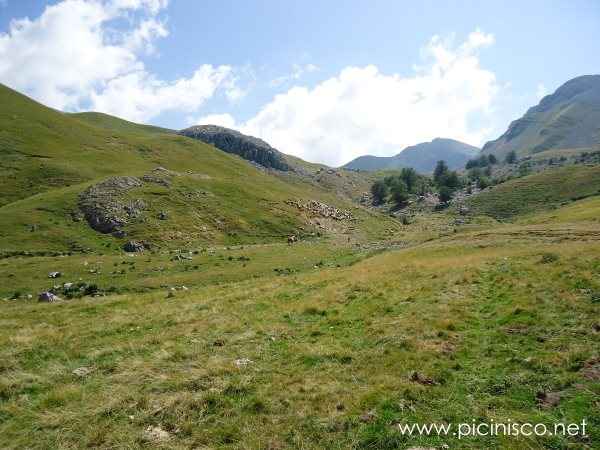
[
  {"x": 243, "y": 362},
  {"x": 155, "y": 434},
  {"x": 47, "y": 297},
  {"x": 54, "y": 275},
  {"x": 367, "y": 417},
  {"x": 133, "y": 247},
  {"x": 548, "y": 399},
  {"x": 82, "y": 371},
  {"x": 421, "y": 379}
]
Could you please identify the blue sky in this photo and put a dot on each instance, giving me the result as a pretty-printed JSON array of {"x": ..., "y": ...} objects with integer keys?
[{"x": 326, "y": 81}]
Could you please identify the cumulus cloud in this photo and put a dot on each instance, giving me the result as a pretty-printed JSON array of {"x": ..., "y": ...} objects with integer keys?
[
  {"x": 364, "y": 111},
  {"x": 223, "y": 120},
  {"x": 73, "y": 57}
]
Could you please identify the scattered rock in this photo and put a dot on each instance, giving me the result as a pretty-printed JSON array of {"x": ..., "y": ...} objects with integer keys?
[
  {"x": 219, "y": 343},
  {"x": 368, "y": 417},
  {"x": 243, "y": 362},
  {"x": 54, "y": 275},
  {"x": 155, "y": 434},
  {"x": 119, "y": 234},
  {"x": 163, "y": 215},
  {"x": 292, "y": 239},
  {"x": 421, "y": 379},
  {"x": 133, "y": 247},
  {"x": 161, "y": 176},
  {"x": 548, "y": 399},
  {"x": 47, "y": 297},
  {"x": 320, "y": 209},
  {"x": 82, "y": 371},
  {"x": 591, "y": 369}
]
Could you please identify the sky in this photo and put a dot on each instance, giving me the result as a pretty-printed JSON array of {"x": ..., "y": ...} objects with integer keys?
[{"x": 326, "y": 81}]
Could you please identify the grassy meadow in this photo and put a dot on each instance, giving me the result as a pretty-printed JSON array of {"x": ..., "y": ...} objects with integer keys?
[{"x": 324, "y": 357}]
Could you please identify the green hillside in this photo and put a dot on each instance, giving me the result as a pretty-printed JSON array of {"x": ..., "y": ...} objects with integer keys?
[
  {"x": 50, "y": 158},
  {"x": 538, "y": 192}
]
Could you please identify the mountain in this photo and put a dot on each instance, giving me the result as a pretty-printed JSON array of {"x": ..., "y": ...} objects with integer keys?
[
  {"x": 568, "y": 118},
  {"x": 421, "y": 157},
  {"x": 232, "y": 141}
]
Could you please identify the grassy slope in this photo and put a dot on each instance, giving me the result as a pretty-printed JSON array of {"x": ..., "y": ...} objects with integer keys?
[
  {"x": 115, "y": 124},
  {"x": 476, "y": 313},
  {"x": 538, "y": 192},
  {"x": 49, "y": 157}
]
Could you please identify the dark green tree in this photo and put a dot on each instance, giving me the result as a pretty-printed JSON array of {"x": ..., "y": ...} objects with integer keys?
[
  {"x": 410, "y": 177},
  {"x": 380, "y": 191},
  {"x": 441, "y": 169},
  {"x": 492, "y": 160},
  {"x": 399, "y": 192},
  {"x": 445, "y": 194}
]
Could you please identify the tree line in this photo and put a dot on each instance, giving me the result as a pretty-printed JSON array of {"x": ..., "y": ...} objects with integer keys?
[{"x": 398, "y": 188}]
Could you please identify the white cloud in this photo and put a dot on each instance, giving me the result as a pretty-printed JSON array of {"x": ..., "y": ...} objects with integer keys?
[
  {"x": 541, "y": 91},
  {"x": 74, "y": 57},
  {"x": 363, "y": 111},
  {"x": 224, "y": 120}
]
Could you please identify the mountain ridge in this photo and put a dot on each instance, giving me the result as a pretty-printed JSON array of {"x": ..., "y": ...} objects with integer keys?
[
  {"x": 565, "y": 119},
  {"x": 422, "y": 157}
]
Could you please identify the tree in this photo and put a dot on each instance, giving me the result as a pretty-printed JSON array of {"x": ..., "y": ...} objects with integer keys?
[
  {"x": 409, "y": 176},
  {"x": 511, "y": 157},
  {"x": 492, "y": 160},
  {"x": 379, "y": 190},
  {"x": 450, "y": 180},
  {"x": 441, "y": 169},
  {"x": 475, "y": 173},
  {"x": 484, "y": 182},
  {"x": 472, "y": 163},
  {"x": 399, "y": 192},
  {"x": 488, "y": 171},
  {"x": 445, "y": 194}
]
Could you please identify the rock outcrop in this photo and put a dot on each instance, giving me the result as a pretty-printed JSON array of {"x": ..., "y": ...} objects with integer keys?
[
  {"x": 103, "y": 207},
  {"x": 232, "y": 141}
]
